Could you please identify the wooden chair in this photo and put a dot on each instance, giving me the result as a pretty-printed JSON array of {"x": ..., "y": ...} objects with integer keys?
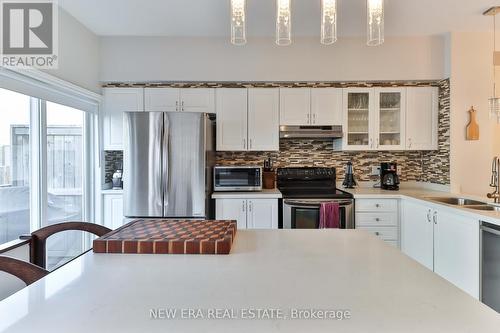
[
  {"x": 23, "y": 270},
  {"x": 39, "y": 237}
]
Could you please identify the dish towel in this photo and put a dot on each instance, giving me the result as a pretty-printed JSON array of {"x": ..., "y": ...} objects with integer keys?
[{"x": 329, "y": 215}]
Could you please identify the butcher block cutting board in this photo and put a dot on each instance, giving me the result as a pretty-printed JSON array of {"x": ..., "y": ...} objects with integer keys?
[{"x": 169, "y": 237}]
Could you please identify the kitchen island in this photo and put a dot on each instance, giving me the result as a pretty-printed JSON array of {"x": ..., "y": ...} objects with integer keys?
[{"x": 274, "y": 274}]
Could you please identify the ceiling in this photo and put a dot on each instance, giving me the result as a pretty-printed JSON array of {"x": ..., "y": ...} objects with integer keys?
[{"x": 210, "y": 18}]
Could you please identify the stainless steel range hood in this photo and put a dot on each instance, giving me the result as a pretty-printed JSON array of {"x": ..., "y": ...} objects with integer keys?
[{"x": 311, "y": 132}]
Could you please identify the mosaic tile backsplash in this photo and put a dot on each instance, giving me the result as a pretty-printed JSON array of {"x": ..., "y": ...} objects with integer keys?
[
  {"x": 425, "y": 166},
  {"x": 113, "y": 159}
]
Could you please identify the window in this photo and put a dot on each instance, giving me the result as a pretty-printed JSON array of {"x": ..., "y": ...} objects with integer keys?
[{"x": 43, "y": 152}]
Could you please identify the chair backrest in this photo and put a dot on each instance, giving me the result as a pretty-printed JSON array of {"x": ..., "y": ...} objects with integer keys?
[
  {"x": 23, "y": 270},
  {"x": 39, "y": 237}
]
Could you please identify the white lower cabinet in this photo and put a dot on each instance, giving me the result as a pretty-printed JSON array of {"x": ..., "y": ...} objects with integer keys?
[
  {"x": 113, "y": 210},
  {"x": 443, "y": 241},
  {"x": 249, "y": 213},
  {"x": 379, "y": 217}
]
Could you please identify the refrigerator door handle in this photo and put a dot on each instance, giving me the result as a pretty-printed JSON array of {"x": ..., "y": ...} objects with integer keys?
[{"x": 165, "y": 162}]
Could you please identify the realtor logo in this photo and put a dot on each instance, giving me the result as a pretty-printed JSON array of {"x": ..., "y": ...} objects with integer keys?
[{"x": 29, "y": 33}]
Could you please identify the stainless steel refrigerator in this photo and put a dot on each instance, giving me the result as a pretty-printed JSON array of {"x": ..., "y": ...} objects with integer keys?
[{"x": 168, "y": 163}]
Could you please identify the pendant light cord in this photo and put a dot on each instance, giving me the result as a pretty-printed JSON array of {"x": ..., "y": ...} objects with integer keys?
[{"x": 494, "y": 55}]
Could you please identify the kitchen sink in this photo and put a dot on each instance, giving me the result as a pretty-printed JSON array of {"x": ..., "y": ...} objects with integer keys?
[
  {"x": 485, "y": 208},
  {"x": 458, "y": 201}
]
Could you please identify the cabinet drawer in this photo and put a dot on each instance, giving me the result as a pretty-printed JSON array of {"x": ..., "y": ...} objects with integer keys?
[
  {"x": 376, "y": 219},
  {"x": 376, "y": 205},
  {"x": 387, "y": 233}
]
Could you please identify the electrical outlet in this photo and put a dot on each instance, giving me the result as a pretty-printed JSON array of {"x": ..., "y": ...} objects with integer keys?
[{"x": 375, "y": 170}]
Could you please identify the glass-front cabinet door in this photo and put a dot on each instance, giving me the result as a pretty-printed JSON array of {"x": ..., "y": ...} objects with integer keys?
[
  {"x": 358, "y": 118},
  {"x": 390, "y": 118}
]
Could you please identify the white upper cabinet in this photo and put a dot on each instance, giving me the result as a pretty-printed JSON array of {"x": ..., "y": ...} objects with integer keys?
[
  {"x": 390, "y": 118},
  {"x": 161, "y": 99},
  {"x": 422, "y": 118},
  {"x": 115, "y": 102},
  {"x": 175, "y": 99},
  {"x": 231, "y": 119},
  {"x": 310, "y": 106},
  {"x": 326, "y": 106},
  {"x": 197, "y": 100},
  {"x": 263, "y": 119},
  {"x": 295, "y": 106},
  {"x": 359, "y": 118}
]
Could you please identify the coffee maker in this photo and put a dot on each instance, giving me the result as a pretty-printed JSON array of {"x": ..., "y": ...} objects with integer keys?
[{"x": 389, "y": 179}]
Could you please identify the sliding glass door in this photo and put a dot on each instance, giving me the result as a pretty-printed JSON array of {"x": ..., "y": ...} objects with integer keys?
[
  {"x": 45, "y": 172},
  {"x": 14, "y": 165},
  {"x": 65, "y": 161}
]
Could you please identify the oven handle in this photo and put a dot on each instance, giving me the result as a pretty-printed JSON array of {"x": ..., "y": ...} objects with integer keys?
[{"x": 308, "y": 204}]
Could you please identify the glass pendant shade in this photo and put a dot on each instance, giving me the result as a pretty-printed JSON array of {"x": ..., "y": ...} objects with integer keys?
[
  {"x": 375, "y": 22},
  {"x": 495, "y": 108},
  {"x": 328, "y": 21},
  {"x": 283, "y": 22},
  {"x": 238, "y": 28}
]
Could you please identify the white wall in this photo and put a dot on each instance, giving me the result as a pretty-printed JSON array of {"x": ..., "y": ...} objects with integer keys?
[
  {"x": 471, "y": 83},
  {"x": 8, "y": 283},
  {"x": 79, "y": 55},
  {"x": 215, "y": 59}
]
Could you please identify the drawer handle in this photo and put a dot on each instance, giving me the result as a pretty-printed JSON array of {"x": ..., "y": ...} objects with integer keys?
[
  {"x": 377, "y": 219},
  {"x": 377, "y": 205}
]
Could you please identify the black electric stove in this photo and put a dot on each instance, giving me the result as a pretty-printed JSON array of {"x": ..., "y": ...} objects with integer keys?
[{"x": 310, "y": 183}]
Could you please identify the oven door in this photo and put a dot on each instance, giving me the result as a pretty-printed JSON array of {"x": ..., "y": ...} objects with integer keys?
[
  {"x": 237, "y": 179},
  {"x": 304, "y": 213}
]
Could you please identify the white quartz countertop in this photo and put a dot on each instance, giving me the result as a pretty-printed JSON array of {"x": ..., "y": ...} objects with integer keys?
[
  {"x": 426, "y": 195},
  {"x": 383, "y": 290},
  {"x": 264, "y": 194}
]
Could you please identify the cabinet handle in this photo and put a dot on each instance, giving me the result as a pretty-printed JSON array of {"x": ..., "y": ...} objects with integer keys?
[
  {"x": 243, "y": 205},
  {"x": 176, "y": 105},
  {"x": 377, "y": 145},
  {"x": 314, "y": 117},
  {"x": 377, "y": 233},
  {"x": 429, "y": 216},
  {"x": 435, "y": 218},
  {"x": 182, "y": 105},
  {"x": 377, "y": 219},
  {"x": 244, "y": 144},
  {"x": 309, "y": 118},
  {"x": 251, "y": 144},
  {"x": 377, "y": 205},
  {"x": 249, "y": 206},
  {"x": 371, "y": 143},
  {"x": 410, "y": 143}
]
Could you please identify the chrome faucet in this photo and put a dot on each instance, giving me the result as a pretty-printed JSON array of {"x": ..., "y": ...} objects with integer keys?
[{"x": 495, "y": 174}]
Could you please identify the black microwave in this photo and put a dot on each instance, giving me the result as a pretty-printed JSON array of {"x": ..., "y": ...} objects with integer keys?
[{"x": 237, "y": 178}]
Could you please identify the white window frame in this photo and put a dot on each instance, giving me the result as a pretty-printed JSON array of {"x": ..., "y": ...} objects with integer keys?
[{"x": 44, "y": 87}]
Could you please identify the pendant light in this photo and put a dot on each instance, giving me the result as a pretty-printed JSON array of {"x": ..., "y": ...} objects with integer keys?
[
  {"x": 494, "y": 101},
  {"x": 375, "y": 22},
  {"x": 283, "y": 23},
  {"x": 238, "y": 28},
  {"x": 328, "y": 21}
]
